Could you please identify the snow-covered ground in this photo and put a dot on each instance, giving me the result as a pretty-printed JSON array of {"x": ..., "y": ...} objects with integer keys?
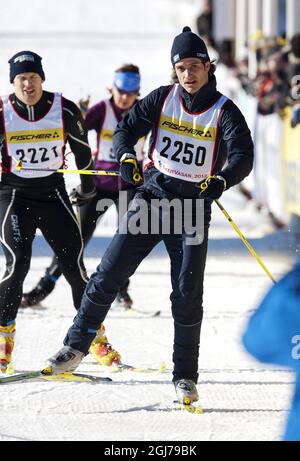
[{"x": 81, "y": 44}]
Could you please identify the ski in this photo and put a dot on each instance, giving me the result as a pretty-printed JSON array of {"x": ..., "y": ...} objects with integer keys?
[
  {"x": 125, "y": 367},
  {"x": 40, "y": 376},
  {"x": 144, "y": 314},
  {"x": 36, "y": 307},
  {"x": 189, "y": 406},
  {"x": 127, "y": 307}
]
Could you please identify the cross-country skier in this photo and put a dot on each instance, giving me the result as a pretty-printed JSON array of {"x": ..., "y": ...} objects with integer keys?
[
  {"x": 34, "y": 128},
  {"x": 194, "y": 130},
  {"x": 103, "y": 117}
]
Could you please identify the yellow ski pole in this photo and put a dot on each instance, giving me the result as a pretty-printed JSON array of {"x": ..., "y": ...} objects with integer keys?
[
  {"x": 245, "y": 241},
  {"x": 204, "y": 186},
  {"x": 19, "y": 166}
]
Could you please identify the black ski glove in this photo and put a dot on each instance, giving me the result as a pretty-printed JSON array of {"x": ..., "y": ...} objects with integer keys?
[
  {"x": 79, "y": 198},
  {"x": 215, "y": 187},
  {"x": 129, "y": 170}
]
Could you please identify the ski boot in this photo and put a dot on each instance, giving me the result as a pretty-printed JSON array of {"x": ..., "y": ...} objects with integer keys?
[
  {"x": 124, "y": 299},
  {"x": 103, "y": 351},
  {"x": 6, "y": 346},
  {"x": 186, "y": 391},
  {"x": 40, "y": 292},
  {"x": 66, "y": 359}
]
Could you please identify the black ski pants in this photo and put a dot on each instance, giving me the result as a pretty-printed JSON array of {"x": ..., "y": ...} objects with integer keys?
[
  {"x": 120, "y": 261},
  {"x": 22, "y": 212},
  {"x": 90, "y": 214}
]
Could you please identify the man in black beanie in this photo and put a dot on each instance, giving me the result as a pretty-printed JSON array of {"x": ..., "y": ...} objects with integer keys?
[
  {"x": 35, "y": 126},
  {"x": 197, "y": 136}
]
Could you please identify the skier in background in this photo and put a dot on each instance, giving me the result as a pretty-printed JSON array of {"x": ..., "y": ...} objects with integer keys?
[
  {"x": 194, "y": 131},
  {"x": 35, "y": 126},
  {"x": 103, "y": 117},
  {"x": 273, "y": 336}
]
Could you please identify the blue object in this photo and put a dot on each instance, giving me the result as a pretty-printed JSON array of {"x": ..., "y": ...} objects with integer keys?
[
  {"x": 129, "y": 82},
  {"x": 273, "y": 336},
  {"x": 295, "y": 117},
  {"x": 53, "y": 278}
]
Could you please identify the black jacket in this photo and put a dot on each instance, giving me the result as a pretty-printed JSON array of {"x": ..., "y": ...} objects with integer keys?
[
  {"x": 234, "y": 141},
  {"x": 76, "y": 136}
]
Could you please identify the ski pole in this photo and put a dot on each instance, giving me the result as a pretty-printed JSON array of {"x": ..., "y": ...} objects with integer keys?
[
  {"x": 204, "y": 186},
  {"x": 19, "y": 166},
  {"x": 245, "y": 241}
]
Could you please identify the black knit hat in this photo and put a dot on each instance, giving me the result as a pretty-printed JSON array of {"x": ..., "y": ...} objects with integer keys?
[
  {"x": 188, "y": 45},
  {"x": 25, "y": 61}
]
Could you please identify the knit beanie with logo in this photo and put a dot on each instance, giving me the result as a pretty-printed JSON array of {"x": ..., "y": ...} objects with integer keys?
[
  {"x": 25, "y": 61},
  {"x": 188, "y": 45}
]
